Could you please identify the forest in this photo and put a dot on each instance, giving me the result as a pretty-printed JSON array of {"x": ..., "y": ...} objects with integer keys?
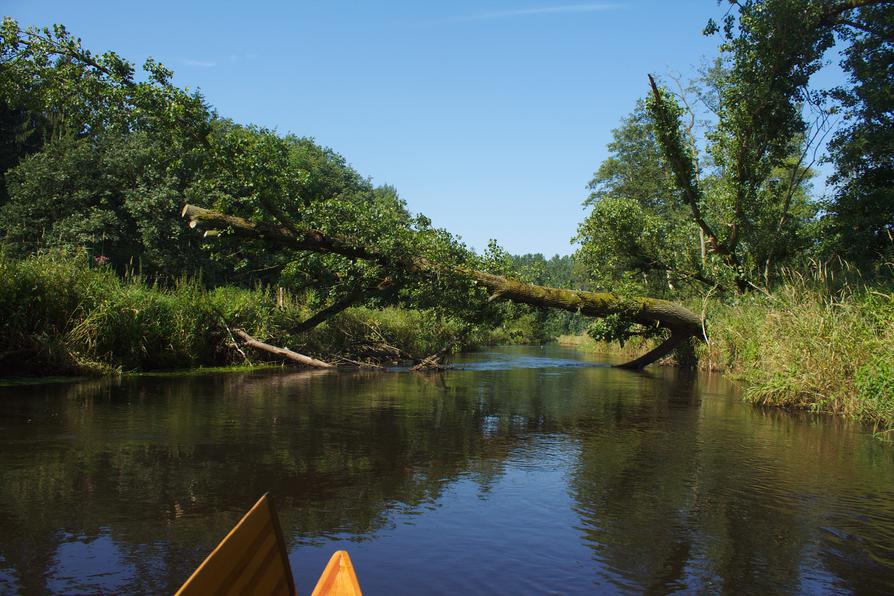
[{"x": 141, "y": 230}]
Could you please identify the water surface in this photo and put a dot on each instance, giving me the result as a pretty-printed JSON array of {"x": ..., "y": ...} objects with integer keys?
[{"x": 525, "y": 470}]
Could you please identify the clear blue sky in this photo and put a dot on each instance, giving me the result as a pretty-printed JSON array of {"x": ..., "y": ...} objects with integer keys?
[{"x": 489, "y": 117}]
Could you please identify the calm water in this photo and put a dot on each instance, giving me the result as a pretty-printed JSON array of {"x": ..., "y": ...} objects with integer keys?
[{"x": 526, "y": 471}]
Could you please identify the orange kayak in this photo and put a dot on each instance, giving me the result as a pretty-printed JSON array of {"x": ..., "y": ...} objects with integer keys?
[
  {"x": 252, "y": 559},
  {"x": 338, "y": 578}
]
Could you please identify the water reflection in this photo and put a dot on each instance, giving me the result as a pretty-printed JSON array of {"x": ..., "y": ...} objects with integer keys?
[{"x": 547, "y": 476}]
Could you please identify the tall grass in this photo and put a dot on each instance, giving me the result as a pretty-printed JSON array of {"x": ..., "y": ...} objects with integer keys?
[
  {"x": 61, "y": 314},
  {"x": 821, "y": 341},
  {"x": 815, "y": 342}
]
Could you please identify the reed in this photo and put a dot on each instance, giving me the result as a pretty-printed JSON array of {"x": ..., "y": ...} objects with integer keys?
[
  {"x": 822, "y": 340},
  {"x": 810, "y": 345},
  {"x": 59, "y": 313}
]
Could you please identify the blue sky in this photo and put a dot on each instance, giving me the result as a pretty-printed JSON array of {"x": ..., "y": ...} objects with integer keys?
[{"x": 489, "y": 117}]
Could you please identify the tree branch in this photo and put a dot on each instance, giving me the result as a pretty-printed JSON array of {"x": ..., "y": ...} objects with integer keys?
[
  {"x": 282, "y": 352},
  {"x": 689, "y": 191},
  {"x": 831, "y": 14},
  {"x": 597, "y": 304}
]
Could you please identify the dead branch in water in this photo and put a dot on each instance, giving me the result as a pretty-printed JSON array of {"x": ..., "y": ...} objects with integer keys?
[{"x": 282, "y": 352}]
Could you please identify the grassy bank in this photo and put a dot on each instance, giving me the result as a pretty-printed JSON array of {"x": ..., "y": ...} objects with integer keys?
[
  {"x": 61, "y": 315},
  {"x": 804, "y": 346}
]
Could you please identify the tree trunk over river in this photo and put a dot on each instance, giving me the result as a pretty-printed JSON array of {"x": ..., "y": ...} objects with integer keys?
[{"x": 680, "y": 321}]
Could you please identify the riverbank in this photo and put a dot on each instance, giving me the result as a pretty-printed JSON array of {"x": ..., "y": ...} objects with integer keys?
[
  {"x": 800, "y": 347},
  {"x": 804, "y": 348},
  {"x": 59, "y": 315}
]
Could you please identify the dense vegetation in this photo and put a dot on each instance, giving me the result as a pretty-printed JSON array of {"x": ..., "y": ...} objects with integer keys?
[
  {"x": 99, "y": 164},
  {"x": 707, "y": 199},
  {"x": 64, "y": 315}
]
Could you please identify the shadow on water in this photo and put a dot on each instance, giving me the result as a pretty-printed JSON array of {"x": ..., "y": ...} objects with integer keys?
[{"x": 524, "y": 470}]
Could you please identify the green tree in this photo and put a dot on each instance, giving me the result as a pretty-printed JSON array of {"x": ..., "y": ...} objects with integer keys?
[
  {"x": 639, "y": 233},
  {"x": 53, "y": 88},
  {"x": 862, "y": 212},
  {"x": 117, "y": 159},
  {"x": 95, "y": 158},
  {"x": 756, "y": 214}
]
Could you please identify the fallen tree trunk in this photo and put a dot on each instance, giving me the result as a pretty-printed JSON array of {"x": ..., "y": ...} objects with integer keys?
[
  {"x": 594, "y": 304},
  {"x": 283, "y": 352},
  {"x": 680, "y": 321}
]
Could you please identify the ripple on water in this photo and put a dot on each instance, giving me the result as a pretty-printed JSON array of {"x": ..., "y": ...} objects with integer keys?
[{"x": 527, "y": 471}]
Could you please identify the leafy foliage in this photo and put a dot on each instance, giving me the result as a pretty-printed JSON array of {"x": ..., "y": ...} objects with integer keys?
[
  {"x": 676, "y": 212},
  {"x": 733, "y": 210},
  {"x": 105, "y": 162},
  {"x": 61, "y": 312},
  {"x": 52, "y": 88},
  {"x": 638, "y": 234},
  {"x": 861, "y": 215}
]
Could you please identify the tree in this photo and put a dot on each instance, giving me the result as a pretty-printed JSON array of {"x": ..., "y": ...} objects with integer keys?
[
  {"x": 118, "y": 158},
  {"x": 52, "y": 88},
  {"x": 639, "y": 233},
  {"x": 422, "y": 261},
  {"x": 94, "y": 158},
  {"x": 861, "y": 215},
  {"x": 754, "y": 215}
]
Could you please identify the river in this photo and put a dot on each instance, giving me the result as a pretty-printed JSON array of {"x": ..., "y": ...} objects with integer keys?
[{"x": 525, "y": 471}]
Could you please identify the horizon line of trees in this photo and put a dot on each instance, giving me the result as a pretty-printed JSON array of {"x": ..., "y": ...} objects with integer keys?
[{"x": 97, "y": 158}]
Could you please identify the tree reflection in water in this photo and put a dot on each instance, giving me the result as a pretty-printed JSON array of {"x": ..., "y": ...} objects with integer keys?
[{"x": 665, "y": 477}]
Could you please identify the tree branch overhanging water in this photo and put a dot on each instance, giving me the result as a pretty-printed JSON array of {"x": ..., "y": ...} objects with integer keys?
[{"x": 678, "y": 320}]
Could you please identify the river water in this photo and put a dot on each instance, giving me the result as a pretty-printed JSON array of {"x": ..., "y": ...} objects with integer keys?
[{"x": 524, "y": 471}]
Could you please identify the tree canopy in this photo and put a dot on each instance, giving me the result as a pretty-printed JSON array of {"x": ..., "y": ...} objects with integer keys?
[
  {"x": 861, "y": 213},
  {"x": 677, "y": 213}
]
